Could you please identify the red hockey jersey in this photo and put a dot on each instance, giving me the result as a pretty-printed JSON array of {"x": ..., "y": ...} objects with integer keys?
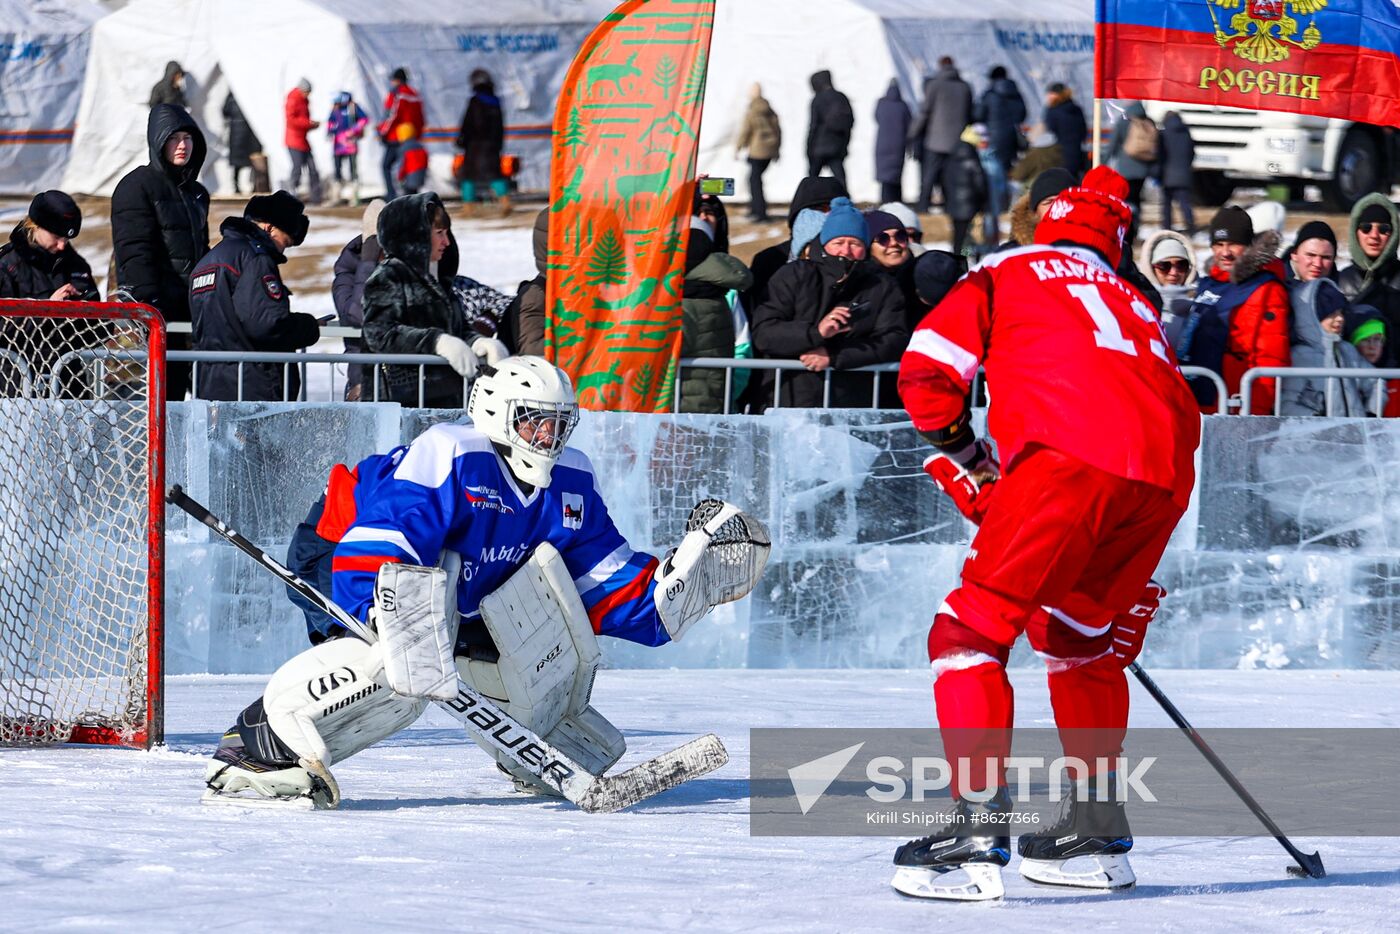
[{"x": 1075, "y": 360}]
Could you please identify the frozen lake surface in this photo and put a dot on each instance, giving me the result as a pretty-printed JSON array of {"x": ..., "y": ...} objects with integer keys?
[{"x": 431, "y": 838}]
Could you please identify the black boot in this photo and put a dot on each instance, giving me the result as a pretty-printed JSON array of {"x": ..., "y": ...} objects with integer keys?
[
  {"x": 1087, "y": 846},
  {"x": 963, "y": 863}
]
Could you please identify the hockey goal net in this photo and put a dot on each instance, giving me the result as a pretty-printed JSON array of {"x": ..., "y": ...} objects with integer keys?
[{"x": 82, "y": 417}]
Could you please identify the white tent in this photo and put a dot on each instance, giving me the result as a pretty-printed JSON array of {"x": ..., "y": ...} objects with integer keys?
[
  {"x": 259, "y": 49},
  {"x": 43, "y": 52},
  {"x": 865, "y": 43}
]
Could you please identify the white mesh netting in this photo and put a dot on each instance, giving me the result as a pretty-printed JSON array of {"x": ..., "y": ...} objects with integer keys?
[{"x": 76, "y": 454}]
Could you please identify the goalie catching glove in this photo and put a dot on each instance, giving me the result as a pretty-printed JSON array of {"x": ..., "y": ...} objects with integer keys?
[{"x": 720, "y": 560}]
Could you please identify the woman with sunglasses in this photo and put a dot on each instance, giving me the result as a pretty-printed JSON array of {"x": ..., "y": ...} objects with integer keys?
[
  {"x": 1168, "y": 262},
  {"x": 1373, "y": 278}
]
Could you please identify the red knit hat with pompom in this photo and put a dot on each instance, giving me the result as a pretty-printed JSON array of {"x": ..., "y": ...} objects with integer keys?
[{"x": 1094, "y": 214}]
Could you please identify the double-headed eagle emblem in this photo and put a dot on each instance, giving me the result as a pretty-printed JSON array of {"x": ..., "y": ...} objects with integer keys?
[{"x": 1263, "y": 31}]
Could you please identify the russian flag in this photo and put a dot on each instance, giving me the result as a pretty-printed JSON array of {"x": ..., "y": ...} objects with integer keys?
[{"x": 1327, "y": 58}]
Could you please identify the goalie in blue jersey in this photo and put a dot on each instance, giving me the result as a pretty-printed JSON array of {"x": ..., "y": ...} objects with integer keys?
[{"x": 535, "y": 572}]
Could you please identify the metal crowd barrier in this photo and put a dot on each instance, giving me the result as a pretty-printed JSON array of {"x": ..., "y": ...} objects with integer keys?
[
  {"x": 1222, "y": 396},
  {"x": 1331, "y": 374}
]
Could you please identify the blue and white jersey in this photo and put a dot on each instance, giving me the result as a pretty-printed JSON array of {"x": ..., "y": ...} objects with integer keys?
[{"x": 450, "y": 489}]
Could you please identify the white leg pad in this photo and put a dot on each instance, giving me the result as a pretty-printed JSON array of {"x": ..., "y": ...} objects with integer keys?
[
  {"x": 589, "y": 739},
  {"x": 333, "y": 700}
]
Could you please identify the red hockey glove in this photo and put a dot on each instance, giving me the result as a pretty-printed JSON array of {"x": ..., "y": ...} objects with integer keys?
[
  {"x": 1130, "y": 626},
  {"x": 970, "y": 488}
]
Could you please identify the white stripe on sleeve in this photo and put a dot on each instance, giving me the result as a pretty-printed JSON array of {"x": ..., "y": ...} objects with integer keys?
[
  {"x": 935, "y": 346},
  {"x": 603, "y": 569},
  {"x": 390, "y": 536}
]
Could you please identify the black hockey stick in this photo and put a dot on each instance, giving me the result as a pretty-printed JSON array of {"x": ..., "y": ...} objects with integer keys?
[
  {"x": 1308, "y": 864},
  {"x": 493, "y": 727}
]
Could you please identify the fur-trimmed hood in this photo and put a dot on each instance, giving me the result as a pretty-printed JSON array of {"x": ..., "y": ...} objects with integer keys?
[
  {"x": 1258, "y": 257},
  {"x": 1023, "y": 220},
  {"x": 1144, "y": 258}
]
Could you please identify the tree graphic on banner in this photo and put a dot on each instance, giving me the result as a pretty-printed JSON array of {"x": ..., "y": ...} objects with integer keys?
[
  {"x": 573, "y": 134},
  {"x": 609, "y": 264}
]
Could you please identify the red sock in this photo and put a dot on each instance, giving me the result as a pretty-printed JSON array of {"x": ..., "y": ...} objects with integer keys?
[
  {"x": 975, "y": 704},
  {"x": 1091, "y": 710}
]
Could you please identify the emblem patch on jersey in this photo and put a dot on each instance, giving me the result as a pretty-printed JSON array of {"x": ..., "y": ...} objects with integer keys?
[
  {"x": 202, "y": 282},
  {"x": 273, "y": 286},
  {"x": 483, "y": 497},
  {"x": 573, "y": 511}
]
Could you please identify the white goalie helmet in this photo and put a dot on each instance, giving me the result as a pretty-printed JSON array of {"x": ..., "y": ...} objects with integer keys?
[{"x": 527, "y": 406}]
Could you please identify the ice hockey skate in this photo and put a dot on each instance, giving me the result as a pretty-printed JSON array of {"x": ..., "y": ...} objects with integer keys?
[
  {"x": 1086, "y": 848},
  {"x": 963, "y": 865},
  {"x": 236, "y": 778}
]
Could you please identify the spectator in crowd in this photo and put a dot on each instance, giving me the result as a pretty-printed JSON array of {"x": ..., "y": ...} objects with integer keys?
[
  {"x": 1132, "y": 150},
  {"x": 711, "y": 209},
  {"x": 1176, "y": 155},
  {"x": 413, "y": 167},
  {"x": 171, "y": 88},
  {"x": 707, "y": 320},
  {"x": 976, "y": 135},
  {"x": 410, "y": 308},
  {"x": 805, "y": 233},
  {"x": 1031, "y": 206},
  {"x": 964, "y": 191},
  {"x": 1002, "y": 108},
  {"x": 834, "y": 311},
  {"x": 1239, "y": 319},
  {"x": 238, "y": 302},
  {"x": 403, "y": 121},
  {"x": 357, "y": 260},
  {"x": 910, "y": 220},
  {"x": 762, "y": 136},
  {"x": 1065, "y": 120},
  {"x": 523, "y": 322},
  {"x": 1316, "y": 341},
  {"x": 39, "y": 262},
  {"x": 299, "y": 123},
  {"x": 892, "y": 120},
  {"x": 1368, "y": 336},
  {"x": 1313, "y": 254},
  {"x": 828, "y": 128},
  {"x": 946, "y": 110},
  {"x": 1166, "y": 260},
  {"x": 814, "y": 192},
  {"x": 481, "y": 138},
  {"x": 346, "y": 127},
  {"x": 889, "y": 250},
  {"x": 1373, "y": 278},
  {"x": 160, "y": 227},
  {"x": 242, "y": 142},
  {"x": 935, "y": 274},
  {"x": 1042, "y": 155}
]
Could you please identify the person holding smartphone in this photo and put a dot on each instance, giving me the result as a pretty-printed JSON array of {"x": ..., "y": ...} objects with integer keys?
[
  {"x": 39, "y": 262},
  {"x": 833, "y": 311}
]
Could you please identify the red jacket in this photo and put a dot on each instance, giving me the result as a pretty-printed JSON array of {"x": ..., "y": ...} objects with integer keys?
[
  {"x": 299, "y": 121},
  {"x": 403, "y": 119},
  {"x": 1076, "y": 361},
  {"x": 1259, "y": 326}
]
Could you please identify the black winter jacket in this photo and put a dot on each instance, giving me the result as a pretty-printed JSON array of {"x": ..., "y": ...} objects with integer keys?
[
  {"x": 1002, "y": 108},
  {"x": 1176, "y": 152},
  {"x": 785, "y": 327},
  {"x": 481, "y": 137},
  {"x": 829, "y": 125},
  {"x": 964, "y": 183},
  {"x": 238, "y": 302},
  {"x": 708, "y": 327},
  {"x": 28, "y": 272},
  {"x": 406, "y": 309},
  {"x": 160, "y": 219},
  {"x": 1065, "y": 121},
  {"x": 242, "y": 141},
  {"x": 811, "y": 191},
  {"x": 892, "y": 119}
]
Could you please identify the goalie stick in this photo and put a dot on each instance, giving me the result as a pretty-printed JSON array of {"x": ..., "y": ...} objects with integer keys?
[
  {"x": 1309, "y": 864},
  {"x": 492, "y": 727}
]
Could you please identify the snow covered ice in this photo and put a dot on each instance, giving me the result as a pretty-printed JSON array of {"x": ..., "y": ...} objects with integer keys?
[{"x": 431, "y": 837}]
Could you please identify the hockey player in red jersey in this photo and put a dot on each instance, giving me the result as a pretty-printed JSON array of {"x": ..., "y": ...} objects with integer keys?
[{"x": 1095, "y": 431}]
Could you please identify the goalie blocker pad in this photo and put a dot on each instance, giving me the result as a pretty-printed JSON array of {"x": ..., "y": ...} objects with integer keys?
[
  {"x": 719, "y": 561},
  {"x": 416, "y": 630},
  {"x": 549, "y": 657}
]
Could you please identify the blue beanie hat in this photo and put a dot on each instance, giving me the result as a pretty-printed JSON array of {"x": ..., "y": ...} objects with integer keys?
[
  {"x": 844, "y": 221},
  {"x": 805, "y": 228}
]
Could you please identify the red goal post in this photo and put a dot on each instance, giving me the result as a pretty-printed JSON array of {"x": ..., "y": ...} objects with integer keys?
[{"x": 82, "y": 523}]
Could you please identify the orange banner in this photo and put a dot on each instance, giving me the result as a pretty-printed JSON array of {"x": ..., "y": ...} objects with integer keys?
[{"x": 622, "y": 188}]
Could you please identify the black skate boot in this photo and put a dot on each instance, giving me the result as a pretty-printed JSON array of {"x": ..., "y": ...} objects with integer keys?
[
  {"x": 1086, "y": 848},
  {"x": 253, "y": 768},
  {"x": 964, "y": 863}
]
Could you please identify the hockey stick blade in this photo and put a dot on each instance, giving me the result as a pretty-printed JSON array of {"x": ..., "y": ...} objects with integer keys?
[{"x": 608, "y": 793}]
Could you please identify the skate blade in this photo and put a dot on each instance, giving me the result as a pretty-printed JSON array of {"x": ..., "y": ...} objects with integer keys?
[
  {"x": 1082, "y": 872},
  {"x": 218, "y": 798},
  {"x": 970, "y": 882}
]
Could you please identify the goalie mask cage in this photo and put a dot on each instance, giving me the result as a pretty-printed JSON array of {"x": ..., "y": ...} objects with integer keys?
[{"x": 82, "y": 523}]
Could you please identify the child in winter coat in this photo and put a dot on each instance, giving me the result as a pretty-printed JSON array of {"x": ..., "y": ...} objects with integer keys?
[{"x": 345, "y": 126}]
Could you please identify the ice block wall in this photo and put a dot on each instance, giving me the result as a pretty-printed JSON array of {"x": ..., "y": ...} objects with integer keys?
[{"x": 1288, "y": 557}]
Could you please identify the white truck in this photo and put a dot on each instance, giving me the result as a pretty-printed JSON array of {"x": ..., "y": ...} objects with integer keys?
[{"x": 1233, "y": 146}]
